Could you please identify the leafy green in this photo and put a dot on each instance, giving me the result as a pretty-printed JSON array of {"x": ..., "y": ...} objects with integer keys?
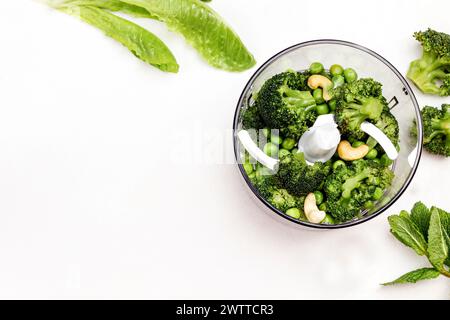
[
  {"x": 416, "y": 275},
  {"x": 420, "y": 215},
  {"x": 427, "y": 232},
  {"x": 111, "y": 5},
  {"x": 437, "y": 246},
  {"x": 204, "y": 29},
  {"x": 407, "y": 232},
  {"x": 142, "y": 43}
]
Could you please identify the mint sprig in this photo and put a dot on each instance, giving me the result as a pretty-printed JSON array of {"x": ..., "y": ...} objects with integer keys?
[{"x": 426, "y": 231}]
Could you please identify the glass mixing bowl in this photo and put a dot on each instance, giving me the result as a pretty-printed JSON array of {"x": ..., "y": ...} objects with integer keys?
[{"x": 367, "y": 63}]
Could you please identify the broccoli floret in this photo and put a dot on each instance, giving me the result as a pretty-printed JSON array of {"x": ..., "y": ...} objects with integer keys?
[
  {"x": 431, "y": 73},
  {"x": 270, "y": 189},
  {"x": 389, "y": 125},
  {"x": 286, "y": 103},
  {"x": 251, "y": 118},
  {"x": 298, "y": 177},
  {"x": 348, "y": 188},
  {"x": 357, "y": 102},
  {"x": 436, "y": 125}
]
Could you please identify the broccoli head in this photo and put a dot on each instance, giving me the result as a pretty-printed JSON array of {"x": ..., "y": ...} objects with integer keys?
[
  {"x": 431, "y": 73},
  {"x": 349, "y": 188},
  {"x": 357, "y": 102},
  {"x": 285, "y": 102},
  {"x": 298, "y": 177},
  {"x": 436, "y": 125},
  {"x": 251, "y": 118},
  {"x": 270, "y": 189},
  {"x": 389, "y": 125}
]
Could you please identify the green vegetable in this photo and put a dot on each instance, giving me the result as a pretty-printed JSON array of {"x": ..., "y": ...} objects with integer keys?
[
  {"x": 322, "y": 109},
  {"x": 202, "y": 28},
  {"x": 319, "y": 197},
  {"x": 299, "y": 178},
  {"x": 316, "y": 68},
  {"x": 270, "y": 149},
  {"x": 318, "y": 95},
  {"x": 357, "y": 102},
  {"x": 416, "y": 275},
  {"x": 276, "y": 139},
  {"x": 431, "y": 73},
  {"x": 110, "y": 5},
  {"x": 332, "y": 105},
  {"x": 143, "y": 44},
  {"x": 338, "y": 163},
  {"x": 436, "y": 125},
  {"x": 372, "y": 154},
  {"x": 350, "y": 188},
  {"x": 283, "y": 152},
  {"x": 288, "y": 143},
  {"x": 285, "y": 102},
  {"x": 336, "y": 70},
  {"x": 328, "y": 219},
  {"x": 350, "y": 75},
  {"x": 248, "y": 167},
  {"x": 294, "y": 213},
  {"x": 338, "y": 81},
  {"x": 426, "y": 232}
]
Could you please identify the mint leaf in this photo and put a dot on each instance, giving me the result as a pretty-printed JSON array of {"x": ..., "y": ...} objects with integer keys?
[
  {"x": 420, "y": 215},
  {"x": 414, "y": 276},
  {"x": 406, "y": 232},
  {"x": 437, "y": 244}
]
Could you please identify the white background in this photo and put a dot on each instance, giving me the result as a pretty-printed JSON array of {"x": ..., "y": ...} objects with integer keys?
[{"x": 93, "y": 205}]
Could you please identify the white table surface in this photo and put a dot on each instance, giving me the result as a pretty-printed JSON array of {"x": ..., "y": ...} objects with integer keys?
[{"x": 96, "y": 203}]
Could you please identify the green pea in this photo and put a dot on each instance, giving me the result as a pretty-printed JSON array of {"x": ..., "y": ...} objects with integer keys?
[
  {"x": 336, "y": 70},
  {"x": 266, "y": 132},
  {"x": 248, "y": 167},
  {"x": 377, "y": 194},
  {"x": 288, "y": 143},
  {"x": 338, "y": 163},
  {"x": 350, "y": 75},
  {"x": 322, "y": 109},
  {"x": 385, "y": 161},
  {"x": 283, "y": 152},
  {"x": 328, "y": 220},
  {"x": 316, "y": 68},
  {"x": 294, "y": 213},
  {"x": 294, "y": 151},
  {"x": 357, "y": 144},
  {"x": 318, "y": 95},
  {"x": 275, "y": 139},
  {"x": 319, "y": 197},
  {"x": 368, "y": 204},
  {"x": 372, "y": 154},
  {"x": 332, "y": 105},
  {"x": 323, "y": 206},
  {"x": 270, "y": 149},
  {"x": 338, "y": 81}
]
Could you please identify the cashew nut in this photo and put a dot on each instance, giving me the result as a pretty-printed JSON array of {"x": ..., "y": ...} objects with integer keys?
[
  {"x": 313, "y": 214},
  {"x": 319, "y": 81},
  {"x": 348, "y": 153}
]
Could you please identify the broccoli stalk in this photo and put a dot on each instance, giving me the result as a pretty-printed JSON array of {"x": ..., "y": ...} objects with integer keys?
[
  {"x": 352, "y": 183},
  {"x": 431, "y": 73}
]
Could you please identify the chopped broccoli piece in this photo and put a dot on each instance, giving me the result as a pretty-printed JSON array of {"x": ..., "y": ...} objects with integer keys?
[
  {"x": 285, "y": 102},
  {"x": 270, "y": 189},
  {"x": 431, "y": 73},
  {"x": 436, "y": 125},
  {"x": 349, "y": 188},
  {"x": 389, "y": 125},
  {"x": 357, "y": 102},
  {"x": 251, "y": 119},
  {"x": 298, "y": 177}
]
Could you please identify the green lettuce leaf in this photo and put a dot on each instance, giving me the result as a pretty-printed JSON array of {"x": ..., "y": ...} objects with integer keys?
[
  {"x": 437, "y": 244},
  {"x": 406, "y": 232},
  {"x": 111, "y": 5},
  {"x": 204, "y": 29},
  {"x": 416, "y": 275},
  {"x": 142, "y": 43}
]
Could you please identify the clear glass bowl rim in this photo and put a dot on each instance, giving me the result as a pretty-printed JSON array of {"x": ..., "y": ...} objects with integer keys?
[{"x": 343, "y": 43}]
